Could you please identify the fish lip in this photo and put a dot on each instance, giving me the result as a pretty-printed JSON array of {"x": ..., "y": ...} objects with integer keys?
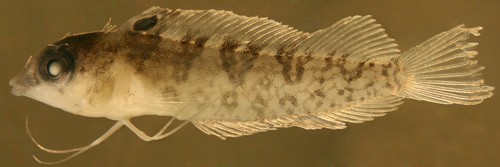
[
  {"x": 18, "y": 89},
  {"x": 12, "y": 82}
]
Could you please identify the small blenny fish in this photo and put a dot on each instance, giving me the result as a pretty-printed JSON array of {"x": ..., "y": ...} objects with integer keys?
[{"x": 232, "y": 75}]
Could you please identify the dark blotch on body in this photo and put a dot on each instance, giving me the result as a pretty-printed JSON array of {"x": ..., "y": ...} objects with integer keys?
[
  {"x": 329, "y": 64},
  {"x": 259, "y": 105},
  {"x": 319, "y": 93},
  {"x": 285, "y": 58},
  {"x": 349, "y": 98},
  {"x": 369, "y": 84},
  {"x": 265, "y": 83},
  {"x": 395, "y": 73},
  {"x": 187, "y": 37},
  {"x": 200, "y": 41},
  {"x": 170, "y": 93},
  {"x": 341, "y": 63},
  {"x": 333, "y": 104},
  {"x": 388, "y": 85},
  {"x": 385, "y": 68},
  {"x": 235, "y": 64},
  {"x": 319, "y": 104},
  {"x": 142, "y": 47},
  {"x": 229, "y": 44},
  {"x": 322, "y": 80},
  {"x": 252, "y": 49},
  {"x": 384, "y": 72},
  {"x": 230, "y": 106},
  {"x": 359, "y": 72},
  {"x": 371, "y": 64},
  {"x": 290, "y": 98},
  {"x": 160, "y": 52}
]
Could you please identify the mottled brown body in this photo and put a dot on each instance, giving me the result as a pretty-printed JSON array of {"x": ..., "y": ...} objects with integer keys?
[{"x": 240, "y": 86}]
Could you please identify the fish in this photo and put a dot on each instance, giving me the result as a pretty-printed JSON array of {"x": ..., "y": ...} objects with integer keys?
[{"x": 232, "y": 75}]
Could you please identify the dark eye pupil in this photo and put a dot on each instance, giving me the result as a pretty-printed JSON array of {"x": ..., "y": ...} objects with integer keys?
[{"x": 54, "y": 67}]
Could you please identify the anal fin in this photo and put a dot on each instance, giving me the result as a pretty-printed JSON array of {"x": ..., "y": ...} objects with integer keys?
[{"x": 336, "y": 119}]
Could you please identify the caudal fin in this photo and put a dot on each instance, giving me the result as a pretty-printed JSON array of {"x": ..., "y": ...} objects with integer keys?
[{"x": 441, "y": 70}]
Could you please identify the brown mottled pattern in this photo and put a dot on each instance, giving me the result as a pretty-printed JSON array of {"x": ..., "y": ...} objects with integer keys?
[
  {"x": 229, "y": 101},
  {"x": 267, "y": 90},
  {"x": 230, "y": 84},
  {"x": 234, "y": 79}
]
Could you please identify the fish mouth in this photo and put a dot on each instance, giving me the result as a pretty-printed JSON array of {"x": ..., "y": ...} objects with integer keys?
[{"x": 18, "y": 89}]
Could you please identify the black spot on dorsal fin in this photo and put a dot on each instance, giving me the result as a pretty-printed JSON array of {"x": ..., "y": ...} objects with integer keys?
[{"x": 146, "y": 23}]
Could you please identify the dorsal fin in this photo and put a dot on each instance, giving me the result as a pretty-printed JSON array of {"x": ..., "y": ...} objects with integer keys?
[{"x": 355, "y": 38}]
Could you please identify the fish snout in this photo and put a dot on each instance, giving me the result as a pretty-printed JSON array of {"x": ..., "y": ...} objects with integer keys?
[
  {"x": 12, "y": 82},
  {"x": 17, "y": 89},
  {"x": 21, "y": 83}
]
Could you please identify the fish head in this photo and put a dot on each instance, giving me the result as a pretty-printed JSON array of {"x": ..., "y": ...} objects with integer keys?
[
  {"x": 46, "y": 75},
  {"x": 84, "y": 74}
]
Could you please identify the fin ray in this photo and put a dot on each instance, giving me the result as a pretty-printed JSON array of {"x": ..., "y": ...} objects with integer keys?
[
  {"x": 440, "y": 70},
  {"x": 357, "y": 113},
  {"x": 359, "y": 37}
]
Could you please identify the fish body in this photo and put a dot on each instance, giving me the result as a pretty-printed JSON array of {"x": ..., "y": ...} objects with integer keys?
[{"x": 233, "y": 75}]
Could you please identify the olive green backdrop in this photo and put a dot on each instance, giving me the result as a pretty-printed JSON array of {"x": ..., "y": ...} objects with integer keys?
[{"x": 418, "y": 134}]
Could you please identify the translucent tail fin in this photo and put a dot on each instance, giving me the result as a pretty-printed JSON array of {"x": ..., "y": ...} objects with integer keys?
[{"x": 440, "y": 70}]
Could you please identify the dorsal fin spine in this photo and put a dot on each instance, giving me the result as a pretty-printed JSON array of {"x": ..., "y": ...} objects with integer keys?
[
  {"x": 362, "y": 38},
  {"x": 245, "y": 23},
  {"x": 248, "y": 26},
  {"x": 344, "y": 36},
  {"x": 368, "y": 44},
  {"x": 327, "y": 37},
  {"x": 327, "y": 45},
  {"x": 205, "y": 18},
  {"x": 288, "y": 35},
  {"x": 269, "y": 33}
]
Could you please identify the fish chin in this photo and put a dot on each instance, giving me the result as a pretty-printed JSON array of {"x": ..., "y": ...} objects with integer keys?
[
  {"x": 53, "y": 96},
  {"x": 19, "y": 84},
  {"x": 17, "y": 91}
]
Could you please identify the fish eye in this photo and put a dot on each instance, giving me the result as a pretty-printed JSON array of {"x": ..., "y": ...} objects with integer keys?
[{"x": 54, "y": 67}]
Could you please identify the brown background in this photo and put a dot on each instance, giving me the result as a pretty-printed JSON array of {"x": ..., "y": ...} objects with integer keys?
[{"x": 418, "y": 134}]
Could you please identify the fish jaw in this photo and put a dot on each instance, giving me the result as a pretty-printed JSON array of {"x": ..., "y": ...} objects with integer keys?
[
  {"x": 67, "y": 98},
  {"x": 26, "y": 84},
  {"x": 22, "y": 82},
  {"x": 17, "y": 89}
]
